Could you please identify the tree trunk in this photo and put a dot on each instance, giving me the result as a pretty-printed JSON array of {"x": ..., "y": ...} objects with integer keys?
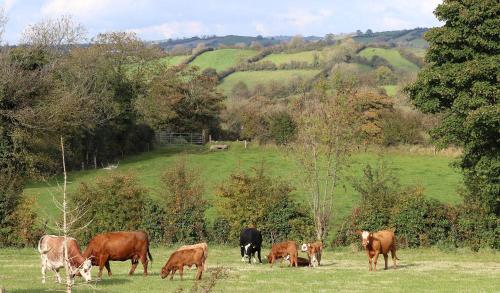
[{"x": 67, "y": 265}]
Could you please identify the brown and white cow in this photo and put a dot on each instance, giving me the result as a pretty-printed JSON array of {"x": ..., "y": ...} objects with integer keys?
[
  {"x": 282, "y": 250},
  {"x": 181, "y": 258},
  {"x": 314, "y": 251},
  {"x": 377, "y": 243},
  {"x": 51, "y": 249},
  {"x": 119, "y": 246},
  {"x": 202, "y": 245}
]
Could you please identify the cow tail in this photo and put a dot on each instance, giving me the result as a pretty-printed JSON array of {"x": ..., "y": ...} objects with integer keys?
[{"x": 149, "y": 255}]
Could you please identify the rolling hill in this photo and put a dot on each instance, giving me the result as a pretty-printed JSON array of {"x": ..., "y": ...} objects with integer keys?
[
  {"x": 392, "y": 56},
  {"x": 222, "y": 59}
]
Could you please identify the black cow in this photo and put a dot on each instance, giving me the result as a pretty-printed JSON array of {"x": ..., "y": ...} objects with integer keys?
[{"x": 250, "y": 242}]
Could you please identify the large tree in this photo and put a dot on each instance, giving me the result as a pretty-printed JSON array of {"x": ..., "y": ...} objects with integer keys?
[{"x": 462, "y": 82}]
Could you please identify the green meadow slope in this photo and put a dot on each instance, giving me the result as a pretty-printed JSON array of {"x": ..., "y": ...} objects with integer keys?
[
  {"x": 281, "y": 58},
  {"x": 432, "y": 172},
  {"x": 392, "y": 56},
  {"x": 222, "y": 59}
]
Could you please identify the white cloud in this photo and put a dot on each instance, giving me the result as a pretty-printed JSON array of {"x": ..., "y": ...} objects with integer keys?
[
  {"x": 171, "y": 29},
  {"x": 261, "y": 28},
  {"x": 84, "y": 10},
  {"x": 301, "y": 18},
  {"x": 395, "y": 23},
  {"x": 7, "y": 5}
]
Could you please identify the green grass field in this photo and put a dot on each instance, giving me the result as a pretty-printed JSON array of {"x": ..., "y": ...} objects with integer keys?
[
  {"x": 342, "y": 270},
  {"x": 391, "y": 90},
  {"x": 173, "y": 60},
  {"x": 392, "y": 56},
  {"x": 222, "y": 59},
  {"x": 252, "y": 78},
  {"x": 439, "y": 180},
  {"x": 280, "y": 58}
]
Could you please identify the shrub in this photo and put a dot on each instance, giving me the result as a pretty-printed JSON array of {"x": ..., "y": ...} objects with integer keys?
[
  {"x": 282, "y": 127},
  {"x": 220, "y": 231},
  {"x": 401, "y": 128},
  {"x": 113, "y": 203},
  {"x": 184, "y": 205},
  {"x": 153, "y": 220},
  {"x": 258, "y": 199},
  {"x": 23, "y": 229},
  {"x": 420, "y": 221}
]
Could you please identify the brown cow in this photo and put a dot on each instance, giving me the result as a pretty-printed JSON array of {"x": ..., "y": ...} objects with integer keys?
[
  {"x": 379, "y": 242},
  {"x": 202, "y": 245},
  {"x": 181, "y": 258},
  {"x": 51, "y": 249},
  {"x": 119, "y": 246},
  {"x": 314, "y": 251},
  {"x": 282, "y": 250}
]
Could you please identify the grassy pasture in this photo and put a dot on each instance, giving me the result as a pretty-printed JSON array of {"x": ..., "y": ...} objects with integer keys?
[
  {"x": 392, "y": 56},
  {"x": 420, "y": 270},
  {"x": 222, "y": 59},
  {"x": 439, "y": 180},
  {"x": 391, "y": 90},
  {"x": 252, "y": 78},
  {"x": 173, "y": 60},
  {"x": 280, "y": 58}
]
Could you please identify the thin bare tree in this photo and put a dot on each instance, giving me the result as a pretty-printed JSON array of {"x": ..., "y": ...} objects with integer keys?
[
  {"x": 3, "y": 21},
  {"x": 326, "y": 136},
  {"x": 54, "y": 32}
]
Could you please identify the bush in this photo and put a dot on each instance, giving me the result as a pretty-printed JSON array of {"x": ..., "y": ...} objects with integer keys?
[
  {"x": 23, "y": 229},
  {"x": 220, "y": 231},
  {"x": 184, "y": 205},
  {"x": 401, "y": 128},
  {"x": 386, "y": 204},
  {"x": 282, "y": 128},
  {"x": 113, "y": 203},
  {"x": 153, "y": 221},
  {"x": 260, "y": 200}
]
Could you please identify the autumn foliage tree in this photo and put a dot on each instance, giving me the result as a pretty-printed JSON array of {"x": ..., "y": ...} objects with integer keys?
[{"x": 461, "y": 81}]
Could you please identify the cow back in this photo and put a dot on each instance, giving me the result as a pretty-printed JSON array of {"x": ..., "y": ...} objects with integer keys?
[{"x": 118, "y": 246}]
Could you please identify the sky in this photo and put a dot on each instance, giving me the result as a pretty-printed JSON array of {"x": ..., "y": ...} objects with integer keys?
[{"x": 156, "y": 20}]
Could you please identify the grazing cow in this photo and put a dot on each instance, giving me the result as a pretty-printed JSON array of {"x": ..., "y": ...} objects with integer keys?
[
  {"x": 181, "y": 258},
  {"x": 250, "y": 242},
  {"x": 282, "y": 250},
  {"x": 314, "y": 251},
  {"x": 51, "y": 249},
  {"x": 119, "y": 246},
  {"x": 379, "y": 242},
  {"x": 202, "y": 245}
]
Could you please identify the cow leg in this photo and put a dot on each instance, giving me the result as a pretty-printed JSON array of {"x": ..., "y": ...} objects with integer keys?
[
  {"x": 108, "y": 268},
  {"x": 144, "y": 261},
  {"x": 386, "y": 257},
  {"x": 102, "y": 262},
  {"x": 393, "y": 255},
  {"x": 375, "y": 258},
  {"x": 319, "y": 258},
  {"x": 242, "y": 250},
  {"x": 44, "y": 269},
  {"x": 135, "y": 262},
  {"x": 181, "y": 271},
  {"x": 258, "y": 255},
  {"x": 173, "y": 272},
  {"x": 271, "y": 260},
  {"x": 370, "y": 263},
  {"x": 58, "y": 277},
  {"x": 199, "y": 272}
]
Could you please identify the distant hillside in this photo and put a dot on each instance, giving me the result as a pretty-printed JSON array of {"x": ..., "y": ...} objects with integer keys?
[{"x": 407, "y": 38}]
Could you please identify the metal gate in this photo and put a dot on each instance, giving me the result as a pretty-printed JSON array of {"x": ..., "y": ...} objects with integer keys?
[{"x": 164, "y": 137}]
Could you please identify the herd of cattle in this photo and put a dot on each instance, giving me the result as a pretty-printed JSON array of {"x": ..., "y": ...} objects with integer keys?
[{"x": 134, "y": 246}]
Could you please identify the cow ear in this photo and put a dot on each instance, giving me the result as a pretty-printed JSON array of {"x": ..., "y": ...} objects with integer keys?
[{"x": 359, "y": 232}]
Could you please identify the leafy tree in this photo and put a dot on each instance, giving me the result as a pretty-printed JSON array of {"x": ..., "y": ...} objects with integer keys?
[
  {"x": 184, "y": 204},
  {"x": 182, "y": 99},
  {"x": 258, "y": 199},
  {"x": 461, "y": 81}
]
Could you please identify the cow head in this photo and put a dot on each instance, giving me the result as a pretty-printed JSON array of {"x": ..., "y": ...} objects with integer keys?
[
  {"x": 304, "y": 247},
  {"x": 247, "y": 250},
  {"x": 165, "y": 271},
  {"x": 365, "y": 237},
  {"x": 84, "y": 270}
]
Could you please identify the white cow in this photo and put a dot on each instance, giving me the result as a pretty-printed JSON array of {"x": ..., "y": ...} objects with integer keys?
[{"x": 51, "y": 249}]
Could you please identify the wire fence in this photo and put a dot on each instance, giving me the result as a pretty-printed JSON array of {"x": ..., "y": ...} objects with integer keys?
[{"x": 164, "y": 138}]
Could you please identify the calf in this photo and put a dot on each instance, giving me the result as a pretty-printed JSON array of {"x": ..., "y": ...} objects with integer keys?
[
  {"x": 282, "y": 250},
  {"x": 202, "y": 245},
  {"x": 51, "y": 249},
  {"x": 379, "y": 242},
  {"x": 119, "y": 246},
  {"x": 181, "y": 258},
  {"x": 250, "y": 242},
  {"x": 314, "y": 251}
]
